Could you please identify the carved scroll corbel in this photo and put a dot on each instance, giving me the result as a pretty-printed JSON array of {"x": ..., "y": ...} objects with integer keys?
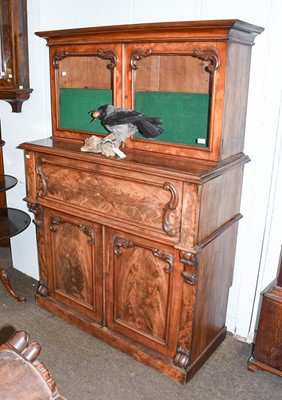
[
  {"x": 108, "y": 54},
  {"x": 42, "y": 189},
  {"x": 42, "y": 289},
  {"x": 166, "y": 257},
  {"x": 54, "y": 222},
  {"x": 121, "y": 243},
  {"x": 137, "y": 55},
  {"x": 182, "y": 357},
  {"x": 211, "y": 55},
  {"x": 169, "y": 207},
  {"x": 190, "y": 267},
  {"x": 58, "y": 56},
  {"x": 89, "y": 232},
  {"x": 37, "y": 211}
]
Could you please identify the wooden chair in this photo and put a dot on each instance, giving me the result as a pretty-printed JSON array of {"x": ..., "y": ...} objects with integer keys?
[{"x": 22, "y": 376}]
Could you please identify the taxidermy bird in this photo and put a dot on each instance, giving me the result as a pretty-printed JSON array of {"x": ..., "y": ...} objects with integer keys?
[{"x": 123, "y": 122}]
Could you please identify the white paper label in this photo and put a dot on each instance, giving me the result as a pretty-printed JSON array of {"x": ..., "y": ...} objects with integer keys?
[
  {"x": 119, "y": 152},
  {"x": 201, "y": 141}
]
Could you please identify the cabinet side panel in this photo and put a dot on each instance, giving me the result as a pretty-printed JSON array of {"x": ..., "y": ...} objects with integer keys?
[
  {"x": 215, "y": 272},
  {"x": 220, "y": 201},
  {"x": 236, "y": 97},
  {"x": 30, "y": 170}
]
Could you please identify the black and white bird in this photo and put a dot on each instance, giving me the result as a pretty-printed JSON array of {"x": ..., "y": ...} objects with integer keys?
[{"x": 123, "y": 122}]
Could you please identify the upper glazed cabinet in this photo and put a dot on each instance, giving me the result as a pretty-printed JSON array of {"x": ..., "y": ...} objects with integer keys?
[{"x": 193, "y": 75}]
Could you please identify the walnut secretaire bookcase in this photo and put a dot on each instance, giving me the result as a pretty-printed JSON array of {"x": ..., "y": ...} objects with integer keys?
[{"x": 139, "y": 251}]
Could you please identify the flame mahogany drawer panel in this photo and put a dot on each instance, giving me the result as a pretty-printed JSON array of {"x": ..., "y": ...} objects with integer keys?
[{"x": 147, "y": 201}]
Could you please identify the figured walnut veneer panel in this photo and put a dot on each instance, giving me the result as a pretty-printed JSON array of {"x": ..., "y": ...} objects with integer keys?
[
  {"x": 144, "y": 281},
  {"x": 75, "y": 265},
  {"x": 142, "y": 291},
  {"x": 152, "y": 204}
]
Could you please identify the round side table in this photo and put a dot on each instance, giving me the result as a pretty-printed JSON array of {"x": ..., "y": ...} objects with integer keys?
[{"x": 12, "y": 222}]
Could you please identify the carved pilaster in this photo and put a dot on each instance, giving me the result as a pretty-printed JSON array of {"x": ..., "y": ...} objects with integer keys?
[
  {"x": 190, "y": 267},
  {"x": 182, "y": 357}
]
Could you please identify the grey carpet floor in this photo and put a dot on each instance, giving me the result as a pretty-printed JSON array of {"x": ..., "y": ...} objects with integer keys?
[{"x": 88, "y": 369}]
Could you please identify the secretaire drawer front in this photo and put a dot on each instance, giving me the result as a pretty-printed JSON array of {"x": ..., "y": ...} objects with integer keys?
[{"x": 143, "y": 200}]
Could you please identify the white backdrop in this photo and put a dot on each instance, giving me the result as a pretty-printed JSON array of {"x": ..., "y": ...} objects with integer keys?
[{"x": 259, "y": 237}]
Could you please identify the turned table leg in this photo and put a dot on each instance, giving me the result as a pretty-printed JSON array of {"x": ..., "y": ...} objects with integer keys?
[{"x": 5, "y": 279}]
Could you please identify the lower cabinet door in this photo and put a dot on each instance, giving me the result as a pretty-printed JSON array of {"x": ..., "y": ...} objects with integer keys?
[
  {"x": 74, "y": 267},
  {"x": 142, "y": 282}
]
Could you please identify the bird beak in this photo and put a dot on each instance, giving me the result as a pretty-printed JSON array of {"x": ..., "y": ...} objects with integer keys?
[{"x": 94, "y": 115}]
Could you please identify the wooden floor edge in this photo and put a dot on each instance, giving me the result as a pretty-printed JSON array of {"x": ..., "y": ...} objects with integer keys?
[{"x": 254, "y": 365}]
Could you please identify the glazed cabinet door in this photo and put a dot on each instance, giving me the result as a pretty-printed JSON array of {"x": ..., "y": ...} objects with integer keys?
[
  {"x": 74, "y": 266},
  {"x": 84, "y": 79},
  {"x": 142, "y": 284}
]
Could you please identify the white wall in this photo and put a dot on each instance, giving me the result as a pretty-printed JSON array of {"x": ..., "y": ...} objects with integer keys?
[{"x": 258, "y": 241}]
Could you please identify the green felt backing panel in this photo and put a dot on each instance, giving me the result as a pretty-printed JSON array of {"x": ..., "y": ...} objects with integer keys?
[
  {"x": 75, "y": 105},
  {"x": 184, "y": 115}
]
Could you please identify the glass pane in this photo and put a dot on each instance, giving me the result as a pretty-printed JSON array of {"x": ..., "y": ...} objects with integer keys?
[
  {"x": 85, "y": 83},
  {"x": 6, "y": 73},
  {"x": 175, "y": 88}
]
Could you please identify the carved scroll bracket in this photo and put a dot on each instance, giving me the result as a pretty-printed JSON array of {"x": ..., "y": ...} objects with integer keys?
[
  {"x": 89, "y": 232},
  {"x": 182, "y": 357},
  {"x": 42, "y": 191},
  {"x": 58, "y": 56},
  {"x": 42, "y": 289},
  {"x": 166, "y": 257},
  {"x": 108, "y": 54},
  {"x": 207, "y": 54},
  {"x": 121, "y": 243},
  {"x": 190, "y": 267},
  {"x": 54, "y": 222},
  {"x": 137, "y": 55},
  {"x": 37, "y": 211},
  {"x": 169, "y": 207}
]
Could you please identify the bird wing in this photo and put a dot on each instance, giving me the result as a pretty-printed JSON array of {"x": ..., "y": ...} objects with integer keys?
[
  {"x": 120, "y": 116},
  {"x": 149, "y": 127}
]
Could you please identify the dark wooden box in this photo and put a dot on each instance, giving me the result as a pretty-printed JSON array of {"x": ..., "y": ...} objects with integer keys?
[{"x": 267, "y": 352}]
